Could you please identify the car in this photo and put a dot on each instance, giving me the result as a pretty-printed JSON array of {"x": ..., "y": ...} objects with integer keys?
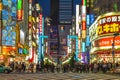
[
  {"x": 117, "y": 70},
  {"x": 4, "y": 69}
]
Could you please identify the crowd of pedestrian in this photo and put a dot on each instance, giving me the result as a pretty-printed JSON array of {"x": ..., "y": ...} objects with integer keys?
[
  {"x": 95, "y": 67},
  {"x": 22, "y": 67}
]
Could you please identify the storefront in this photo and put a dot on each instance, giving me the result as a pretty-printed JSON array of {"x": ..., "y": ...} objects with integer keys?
[
  {"x": 8, "y": 53},
  {"x": 104, "y": 44}
]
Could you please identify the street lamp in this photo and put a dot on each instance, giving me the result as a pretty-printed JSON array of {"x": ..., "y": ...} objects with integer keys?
[{"x": 113, "y": 44}]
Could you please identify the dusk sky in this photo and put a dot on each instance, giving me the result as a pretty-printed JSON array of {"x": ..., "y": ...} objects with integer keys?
[{"x": 46, "y": 6}]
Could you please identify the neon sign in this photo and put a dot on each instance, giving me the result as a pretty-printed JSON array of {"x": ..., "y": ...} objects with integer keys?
[
  {"x": 106, "y": 24},
  {"x": 107, "y": 42},
  {"x": 40, "y": 23}
]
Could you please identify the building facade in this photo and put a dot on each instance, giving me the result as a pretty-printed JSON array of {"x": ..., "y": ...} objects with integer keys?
[{"x": 65, "y": 11}]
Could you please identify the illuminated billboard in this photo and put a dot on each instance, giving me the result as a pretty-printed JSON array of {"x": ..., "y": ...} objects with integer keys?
[
  {"x": 22, "y": 37},
  {"x": 102, "y": 30},
  {"x": 105, "y": 25},
  {"x": 77, "y": 19},
  {"x": 108, "y": 24},
  {"x": 106, "y": 42},
  {"x": 40, "y": 23},
  {"x": 19, "y": 9},
  {"x": 0, "y": 6},
  {"x": 9, "y": 22},
  {"x": 83, "y": 19},
  {"x": 0, "y": 32}
]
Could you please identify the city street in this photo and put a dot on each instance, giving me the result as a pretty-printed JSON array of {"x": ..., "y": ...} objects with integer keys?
[{"x": 59, "y": 76}]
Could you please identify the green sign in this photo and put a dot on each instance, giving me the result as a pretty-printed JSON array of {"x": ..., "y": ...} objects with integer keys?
[
  {"x": 19, "y": 5},
  {"x": 25, "y": 51}
]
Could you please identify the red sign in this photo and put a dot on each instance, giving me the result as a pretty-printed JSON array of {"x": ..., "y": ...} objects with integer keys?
[
  {"x": 40, "y": 23},
  {"x": 83, "y": 25},
  {"x": 104, "y": 42}
]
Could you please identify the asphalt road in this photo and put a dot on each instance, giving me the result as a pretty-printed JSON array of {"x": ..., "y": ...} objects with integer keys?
[{"x": 59, "y": 76}]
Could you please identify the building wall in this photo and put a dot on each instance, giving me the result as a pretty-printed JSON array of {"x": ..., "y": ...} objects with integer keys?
[
  {"x": 54, "y": 11},
  {"x": 63, "y": 32}
]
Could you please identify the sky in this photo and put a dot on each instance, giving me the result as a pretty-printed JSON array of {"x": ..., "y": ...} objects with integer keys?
[{"x": 45, "y": 4}]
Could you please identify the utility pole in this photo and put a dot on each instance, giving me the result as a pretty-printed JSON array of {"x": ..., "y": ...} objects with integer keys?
[{"x": 113, "y": 48}]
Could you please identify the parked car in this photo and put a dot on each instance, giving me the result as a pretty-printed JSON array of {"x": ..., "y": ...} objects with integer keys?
[
  {"x": 117, "y": 70},
  {"x": 4, "y": 69}
]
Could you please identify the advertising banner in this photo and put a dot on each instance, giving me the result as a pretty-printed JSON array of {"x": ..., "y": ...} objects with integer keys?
[
  {"x": 106, "y": 42},
  {"x": 9, "y": 22},
  {"x": 105, "y": 25}
]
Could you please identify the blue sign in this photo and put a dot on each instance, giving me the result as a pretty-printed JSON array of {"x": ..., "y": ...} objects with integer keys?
[
  {"x": 92, "y": 18},
  {"x": 88, "y": 20},
  {"x": 83, "y": 47},
  {"x": 20, "y": 50},
  {"x": 88, "y": 40}
]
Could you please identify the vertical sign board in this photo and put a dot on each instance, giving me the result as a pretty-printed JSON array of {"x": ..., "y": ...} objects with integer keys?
[
  {"x": 88, "y": 20},
  {"x": 92, "y": 18},
  {"x": 19, "y": 9},
  {"x": 40, "y": 39},
  {"x": 88, "y": 40},
  {"x": 30, "y": 30},
  {"x": 43, "y": 37},
  {"x": 83, "y": 19},
  {"x": 77, "y": 51},
  {"x": 77, "y": 18},
  {"x": 0, "y": 24},
  {"x": 68, "y": 43},
  {"x": 40, "y": 24},
  {"x": 83, "y": 47}
]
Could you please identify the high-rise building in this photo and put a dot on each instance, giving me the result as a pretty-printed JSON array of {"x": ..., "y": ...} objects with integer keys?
[
  {"x": 65, "y": 11},
  {"x": 61, "y": 11},
  {"x": 54, "y": 11}
]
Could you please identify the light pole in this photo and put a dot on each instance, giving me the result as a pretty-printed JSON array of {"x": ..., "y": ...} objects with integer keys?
[{"x": 113, "y": 45}]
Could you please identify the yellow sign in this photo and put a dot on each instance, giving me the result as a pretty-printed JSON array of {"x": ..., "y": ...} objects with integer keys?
[
  {"x": 106, "y": 24},
  {"x": 83, "y": 34},
  {"x": 108, "y": 28}
]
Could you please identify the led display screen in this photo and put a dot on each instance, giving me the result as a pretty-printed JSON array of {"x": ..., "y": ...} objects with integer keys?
[{"x": 9, "y": 22}]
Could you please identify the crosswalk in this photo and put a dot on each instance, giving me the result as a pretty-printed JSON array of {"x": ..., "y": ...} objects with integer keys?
[{"x": 59, "y": 76}]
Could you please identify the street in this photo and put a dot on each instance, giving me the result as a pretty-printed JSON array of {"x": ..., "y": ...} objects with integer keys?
[{"x": 59, "y": 76}]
